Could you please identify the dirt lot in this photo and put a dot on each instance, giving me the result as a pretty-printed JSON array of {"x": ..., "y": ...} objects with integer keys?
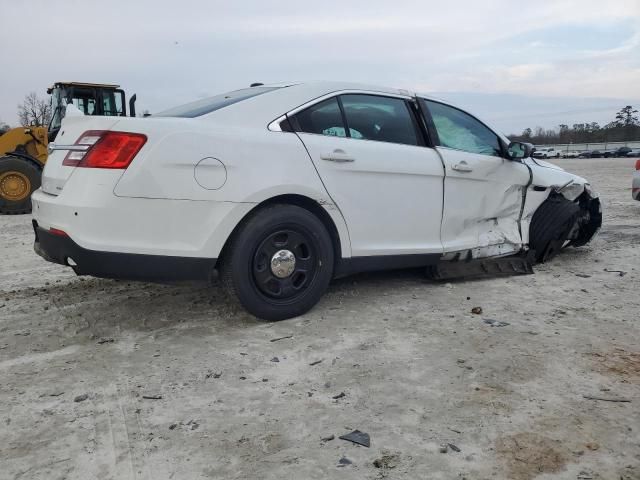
[{"x": 115, "y": 380}]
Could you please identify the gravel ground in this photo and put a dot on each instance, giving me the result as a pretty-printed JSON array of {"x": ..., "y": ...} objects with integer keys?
[{"x": 115, "y": 380}]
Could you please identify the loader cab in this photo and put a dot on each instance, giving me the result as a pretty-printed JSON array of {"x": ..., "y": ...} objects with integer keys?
[{"x": 90, "y": 99}]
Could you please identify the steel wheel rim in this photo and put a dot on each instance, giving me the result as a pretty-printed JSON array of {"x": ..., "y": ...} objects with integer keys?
[
  {"x": 272, "y": 283},
  {"x": 14, "y": 186}
]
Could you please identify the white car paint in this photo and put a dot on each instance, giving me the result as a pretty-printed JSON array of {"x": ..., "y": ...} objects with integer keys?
[
  {"x": 271, "y": 164},
  {"x": 195, "y": 180}
]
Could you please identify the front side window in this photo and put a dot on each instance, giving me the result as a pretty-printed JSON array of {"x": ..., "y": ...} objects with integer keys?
[
  {"x": 461, "y": 131},
  {"x": 384, "y": 119},
  {"x": 323, "y": 118}
]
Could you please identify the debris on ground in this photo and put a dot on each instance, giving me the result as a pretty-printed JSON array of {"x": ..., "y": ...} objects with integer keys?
[
  {"x": 81, "y": 398},
  {"x": 444, "y": 448},
  {"x": 388, "y": 460},
  {"x": 280, "y": 338},
  {"x": 608, "y": 399},
  {"x": 340, "y": 395},
  {"x": 476, "y": 310},
  {"x": 152, "y": 397},
  {"x": 344, "y": 461},
  {"x": 211, "y": 374},
  {"x": 495, "y": 323},
  {"x": 328, "y": 438},
  {"x": 315, "y": 363},
  {"x": 619, "y": 272},
  {"x": 105, "y": 340},
  {"x": 275, "y": 359},
  {"x": 357, "y": 437},
  {"x": 582, "y": 275},
  {"x": 453, "y": 447}
]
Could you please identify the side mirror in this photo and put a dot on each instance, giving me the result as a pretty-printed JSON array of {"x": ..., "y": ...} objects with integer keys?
[{"x": 519, "y": 150}]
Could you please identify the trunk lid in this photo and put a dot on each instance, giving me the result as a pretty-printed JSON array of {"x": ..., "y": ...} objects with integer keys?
[{"x": 55, "y": 174}]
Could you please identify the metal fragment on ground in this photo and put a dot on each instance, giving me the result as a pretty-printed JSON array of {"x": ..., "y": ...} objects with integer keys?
[{"x": 357, "y": 437}]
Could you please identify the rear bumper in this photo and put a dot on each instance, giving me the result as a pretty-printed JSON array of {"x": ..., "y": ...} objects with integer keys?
[{"x": 130, "y": 266}]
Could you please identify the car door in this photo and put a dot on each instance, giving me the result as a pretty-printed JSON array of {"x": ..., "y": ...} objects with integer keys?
[
  {"x": 483, "y": 191},
  {"x": 375, "y": 165}
]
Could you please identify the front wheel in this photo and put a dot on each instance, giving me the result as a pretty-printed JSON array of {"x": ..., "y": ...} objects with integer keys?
[{"x": 279, "y": 263}]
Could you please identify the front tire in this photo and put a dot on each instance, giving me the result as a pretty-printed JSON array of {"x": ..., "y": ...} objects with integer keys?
[
  {"x": 19, "y": 178},
  {"x": 551, "y": 225},
  {"x": 279, "y": 263}
]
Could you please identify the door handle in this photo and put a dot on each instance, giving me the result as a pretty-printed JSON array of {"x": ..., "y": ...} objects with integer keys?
[
  {"x": 462, "y": 167},
  {"x": 338, "y": 156}
]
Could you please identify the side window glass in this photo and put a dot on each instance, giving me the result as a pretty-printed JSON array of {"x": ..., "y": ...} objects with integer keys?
[
  {"x": 323, "y": 118},
  {"x": 383, "y": 119},
  {"x": 460, "y": 131}
]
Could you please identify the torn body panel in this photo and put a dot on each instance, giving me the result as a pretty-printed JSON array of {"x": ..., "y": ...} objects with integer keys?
[
  {"x": 482, "y": 205},
  {"x": 549, "y": 180}
]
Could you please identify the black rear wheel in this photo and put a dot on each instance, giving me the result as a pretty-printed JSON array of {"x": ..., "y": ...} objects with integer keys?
[
  {"x": 279, "y": 263},
  {"x": 19, "y": 178}
]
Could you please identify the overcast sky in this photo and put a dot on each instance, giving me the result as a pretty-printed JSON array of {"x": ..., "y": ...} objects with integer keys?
[{"x": 515, "y": 63}]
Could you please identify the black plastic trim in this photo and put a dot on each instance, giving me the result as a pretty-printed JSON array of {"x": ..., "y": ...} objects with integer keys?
[
  {"x": 129, "y": 266},
  {"x": 350, "y": 266}
]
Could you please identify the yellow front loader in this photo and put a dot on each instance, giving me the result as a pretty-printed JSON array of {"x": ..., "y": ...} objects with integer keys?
[{"x": 23, "y": 150}]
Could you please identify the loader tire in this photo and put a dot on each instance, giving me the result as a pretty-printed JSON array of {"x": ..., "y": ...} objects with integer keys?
[
  {"x": 19, "y": 178},
  {"x": 551, "y": 225}
]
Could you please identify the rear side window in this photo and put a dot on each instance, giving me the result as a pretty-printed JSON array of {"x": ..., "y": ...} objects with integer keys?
[
  {"x": 323, "y": 118},
  {"x": 460, "y": 131},
  {"x": 384, "y": 119},
  {"x": 211, "y": 104}
]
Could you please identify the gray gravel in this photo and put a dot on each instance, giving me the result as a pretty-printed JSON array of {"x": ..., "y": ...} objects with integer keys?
[{"x": 179, "y": 381}]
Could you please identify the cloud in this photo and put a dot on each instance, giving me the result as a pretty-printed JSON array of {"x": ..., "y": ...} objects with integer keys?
[{"x": 171, "y": 53}]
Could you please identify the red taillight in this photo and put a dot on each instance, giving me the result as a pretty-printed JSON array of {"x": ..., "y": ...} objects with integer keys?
[
  {"x": 58, "y": 232},
  {"x": 638, "y": 164},
  {"x": 105, "y": 149}
]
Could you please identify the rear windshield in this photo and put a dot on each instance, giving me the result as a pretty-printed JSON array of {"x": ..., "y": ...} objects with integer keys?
[{"x": 211, "y": 104}]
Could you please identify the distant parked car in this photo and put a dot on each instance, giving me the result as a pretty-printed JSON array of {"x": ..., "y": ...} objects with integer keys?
[
  {"x": 634, "y": 153},
  {"x": 619, "y": 152},
  {"x": 573, "y": 154},
  {"x": 547, "y": 152},
  {"x": 585, "y": 154},
  {"x": 635, "y": 183}
]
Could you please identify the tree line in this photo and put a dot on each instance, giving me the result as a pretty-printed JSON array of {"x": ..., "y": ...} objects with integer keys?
[{"x": 624, "y": 128}]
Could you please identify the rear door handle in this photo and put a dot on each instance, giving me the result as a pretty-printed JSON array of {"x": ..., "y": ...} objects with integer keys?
[
  {"x": 462, "y": 167},
  {"x": 338, "y": 156}
]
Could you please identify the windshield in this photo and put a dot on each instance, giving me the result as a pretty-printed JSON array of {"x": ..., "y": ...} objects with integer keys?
[{"x": 211, "y": 104}]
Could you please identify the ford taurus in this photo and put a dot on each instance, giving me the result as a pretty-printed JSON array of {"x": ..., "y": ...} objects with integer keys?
[{"x": 278, "y": 189}]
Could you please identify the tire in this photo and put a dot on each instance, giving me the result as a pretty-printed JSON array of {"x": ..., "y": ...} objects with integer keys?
[
  {"x": 551, "y": 225},
  {"x": 19, "y": 178},
  {"x": 247, "y": 270}
]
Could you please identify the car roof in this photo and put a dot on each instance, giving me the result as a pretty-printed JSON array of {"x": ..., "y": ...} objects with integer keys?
[{"x": 288, "y": 96}]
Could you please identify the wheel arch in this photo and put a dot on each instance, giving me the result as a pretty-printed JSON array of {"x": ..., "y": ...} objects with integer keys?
[{"x": 333, "y": 222}]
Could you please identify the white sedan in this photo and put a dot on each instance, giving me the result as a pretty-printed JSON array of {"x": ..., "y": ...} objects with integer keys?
[{"x": 281, "y": 188}]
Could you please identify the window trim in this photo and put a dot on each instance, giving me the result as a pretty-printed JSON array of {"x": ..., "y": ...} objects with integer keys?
[
  {"x": 422, "y": 137},
  {"x": 433, "y": 132},
  {"x": 274, "y": 125}
]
